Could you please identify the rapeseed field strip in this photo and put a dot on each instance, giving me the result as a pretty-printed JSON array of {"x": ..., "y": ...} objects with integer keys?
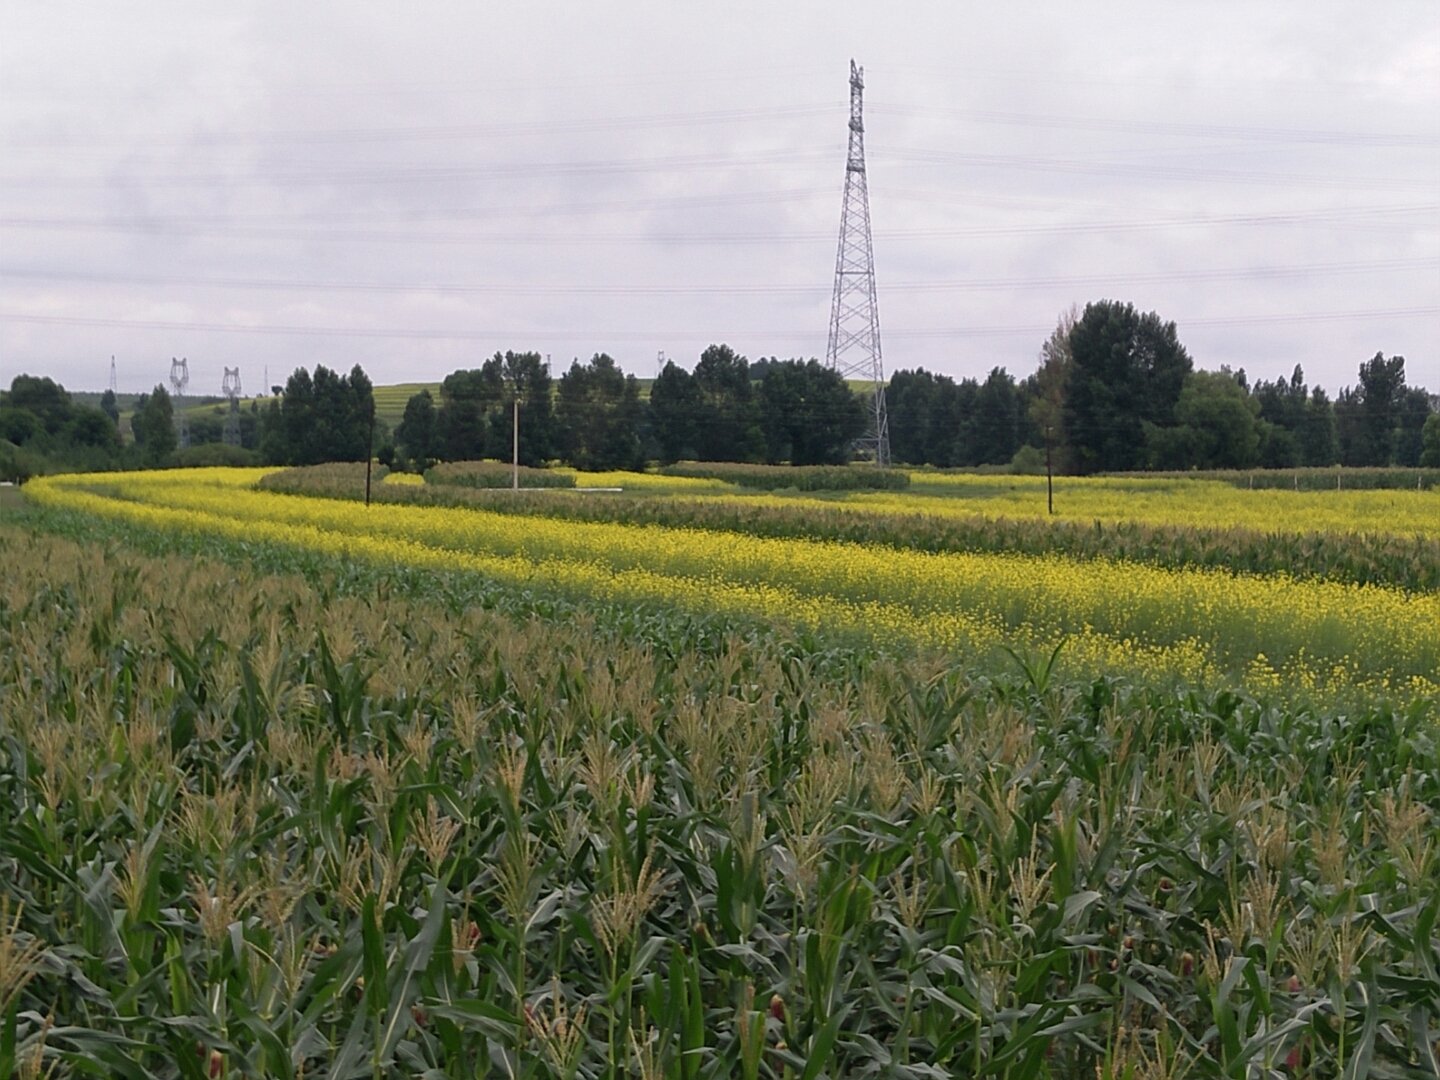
[
  {"x": 1409, "y": 562},
  {"x": 1203, "y": 503},
  {"x": 1271, "y": 629}
]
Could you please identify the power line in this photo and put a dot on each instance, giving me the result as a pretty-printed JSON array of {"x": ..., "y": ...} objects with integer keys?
[
  {"x": 419, "y": 333},
  {"x": 748, "y": 288},
  {"x": 189, "y": 141},
  {"x": 1253, "y": 133},
  {"x": 1370, "y": 215}
]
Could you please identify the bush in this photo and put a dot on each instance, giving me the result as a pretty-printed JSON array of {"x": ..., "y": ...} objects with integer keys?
[
  {"x": 1028, "y": 461},
  {"x": 17, "y": 464},
  {"x": 800, "y": 477},
  {"x": 207, "y": 455}
]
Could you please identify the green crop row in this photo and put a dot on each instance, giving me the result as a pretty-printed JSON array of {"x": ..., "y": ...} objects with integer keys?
[
  {"x": 1406, "y": 562},
  {"x": 494, "y": 474},
  {"x": 1337, "y": 478},
  {"x": 325, "y": 821},
  {"x": 799, "y": 477}
]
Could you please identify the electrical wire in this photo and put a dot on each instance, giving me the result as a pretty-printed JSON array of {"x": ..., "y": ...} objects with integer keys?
[{"x": 749, "y": 288}]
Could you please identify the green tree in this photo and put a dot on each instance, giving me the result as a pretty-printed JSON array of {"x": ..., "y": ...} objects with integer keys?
[
  {"x": 1217, "y": 426},
  {"x": 525, "y": 376},
  {"x": 674, "y": 414},
  {"x": 417, "y": 431},
  {"x": 1367, "y": 415},
  {"x": 1046, "y": 409},
  {"x": 1430, "y": 442},
  {"x": 320, "y": 418},
  {"x": 1283, "y": 407},
  {"x": 92, "y": 428},
  {"x": 467, "y": 398},
  {"x": 19, "y": 426},
  {"x": 808, "y": 413},
  {"x": 1319, "y": 445},
  {"x": 1127, "y": 370},
  {"x": 599, "y": 414},
  {"x": 995, "y": 424},
  {"x": 728, "y": 424},
  {"x": 966, "y": 448},
  {"x": 154, "y": 427},
  {"x": 921, "y": 410},
  {"x": 43, "y": 397},
  {"x": 1411, "y": 413},
  {"x": 110, "y": 407}
]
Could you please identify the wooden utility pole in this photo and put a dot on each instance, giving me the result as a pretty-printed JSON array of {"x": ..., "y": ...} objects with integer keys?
[
  {"x": 1049, "y": 474},
  {"x": 369, "y": 451}
]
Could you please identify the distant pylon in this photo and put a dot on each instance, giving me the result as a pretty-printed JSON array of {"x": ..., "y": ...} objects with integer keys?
[
  {"x": 179, "y": 383},
  {"x": 230, "y": 387},
  {"x": 113, "y": 383},
  {"x": 854, "y": 348}
]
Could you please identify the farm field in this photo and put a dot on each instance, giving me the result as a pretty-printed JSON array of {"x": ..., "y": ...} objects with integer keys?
[
  {"x": 1306, "y": 533},
  {"x": 688, "y": 782}
]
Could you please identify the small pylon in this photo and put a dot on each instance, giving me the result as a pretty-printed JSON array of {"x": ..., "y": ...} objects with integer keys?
[
  {"x": 230, "y": 387},
  {"x": 179, "y": 383}
]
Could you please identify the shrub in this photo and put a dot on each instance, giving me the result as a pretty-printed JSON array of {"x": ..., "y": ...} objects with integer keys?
[{"x": 207, "y": 455}]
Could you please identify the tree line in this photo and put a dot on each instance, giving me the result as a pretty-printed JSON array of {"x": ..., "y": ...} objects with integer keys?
[
  {"x": 594, "y": 416},
  {"x": 1114, "y": 390}
]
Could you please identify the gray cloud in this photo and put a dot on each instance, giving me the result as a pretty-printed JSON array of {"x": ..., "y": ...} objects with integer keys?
[{"x": 418, "y": 192}]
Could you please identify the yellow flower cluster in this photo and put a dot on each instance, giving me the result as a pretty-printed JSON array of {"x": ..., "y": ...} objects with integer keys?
[{"x": 1187, "y": 623}]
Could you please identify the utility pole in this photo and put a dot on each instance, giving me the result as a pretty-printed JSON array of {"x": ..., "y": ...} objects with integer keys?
[
  {"x": 1049, "y": 474},
  {"x": 854, "y": 347},
  {"x": 515, "y": 443},
  {"x": 369, "y": 450}
]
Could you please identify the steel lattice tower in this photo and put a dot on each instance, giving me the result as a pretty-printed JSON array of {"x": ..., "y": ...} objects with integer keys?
[
  {"x": 179, "y": 383},
  {"x": 230, "y": 387},
  {"x": 854, "y": 349}
]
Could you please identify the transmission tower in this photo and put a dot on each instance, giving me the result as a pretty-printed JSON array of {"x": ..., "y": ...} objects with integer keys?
[
  {"x": 179, "y": 383},
  {"x": 113, "y": 381},
  {"x": 230, "y": 387},
  {"x": 854, "y": 349}
]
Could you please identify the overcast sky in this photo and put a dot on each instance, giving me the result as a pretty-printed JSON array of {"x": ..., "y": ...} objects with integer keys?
[{"x": 414, "y": 187}]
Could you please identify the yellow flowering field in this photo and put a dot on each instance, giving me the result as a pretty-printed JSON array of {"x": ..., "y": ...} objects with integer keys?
[
  {"x": 1192, "y": 624},
  {"x": 1185, "y": 503},
  {"x": 1162, "y": 501}
]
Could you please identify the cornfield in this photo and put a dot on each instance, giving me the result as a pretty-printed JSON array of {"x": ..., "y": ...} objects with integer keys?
[{"x": 297, "y": 789}]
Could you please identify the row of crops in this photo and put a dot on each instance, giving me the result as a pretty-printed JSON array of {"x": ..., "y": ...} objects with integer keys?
[
  {"x": 294, "y": 787},
  {"x": 1404, "y": 554},
  {"x": 1157, "y": 623}
]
